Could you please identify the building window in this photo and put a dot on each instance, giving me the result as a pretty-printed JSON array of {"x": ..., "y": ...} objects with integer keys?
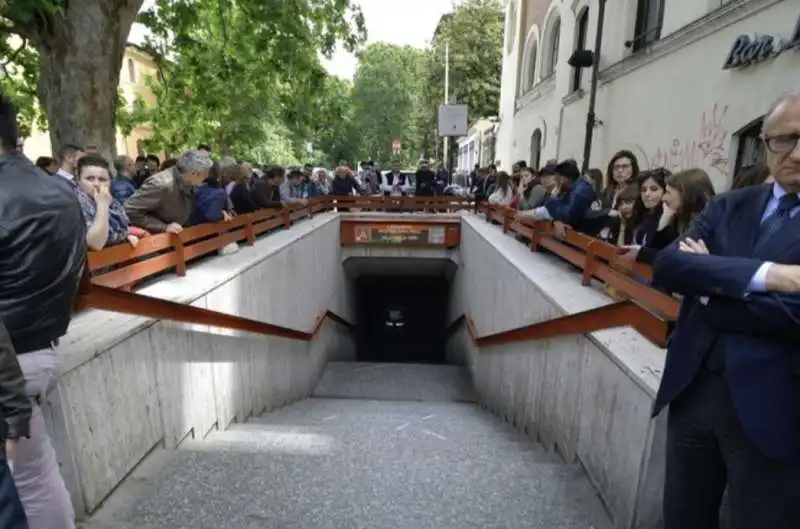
[
  {"x": 649, "y": 17},
  {"x": 529, "y": 68},
  {"x": 581, "y": 34},
  {"x": 553, "y": 42},
  {"x": 751, "y": 147},
  {"x": 536, "y": 149},
  {"x": 511, "y": 29},
  {"x": 131, "y": 71}
]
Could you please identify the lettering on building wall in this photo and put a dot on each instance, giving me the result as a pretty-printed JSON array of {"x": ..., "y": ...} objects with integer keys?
[
  {"x": 747, "y": 50},
  {"x": 706, "y": 149}
]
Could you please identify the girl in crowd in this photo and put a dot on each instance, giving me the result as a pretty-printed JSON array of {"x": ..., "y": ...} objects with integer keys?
[
  {"x": 619, "y": 229},
  {"x": 683, "y": 195},
  {"x": 504, "y": 192},
  {"x": 649, "y": 219},
  {"x": 240, "y": 194}
]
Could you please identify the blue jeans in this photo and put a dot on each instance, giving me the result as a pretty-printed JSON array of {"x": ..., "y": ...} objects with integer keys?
[{"x": 12, "y": 515}]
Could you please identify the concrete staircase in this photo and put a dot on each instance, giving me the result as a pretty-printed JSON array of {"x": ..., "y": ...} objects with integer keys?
[{"x": 377, "y": 446}]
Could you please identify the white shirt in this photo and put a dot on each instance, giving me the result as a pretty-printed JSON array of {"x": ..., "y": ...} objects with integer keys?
[{"x": 63, "y": 174}]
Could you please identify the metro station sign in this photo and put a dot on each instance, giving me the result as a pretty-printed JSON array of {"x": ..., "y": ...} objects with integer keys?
[
  {"x": 400, "y": 234},
  {"x": 746, "y": 50}
]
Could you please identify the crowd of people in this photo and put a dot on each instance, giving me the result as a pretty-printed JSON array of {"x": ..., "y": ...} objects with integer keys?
[
  {"x": 640, "y": 211},
  {"x": 130, "y": 199},
  {"x": 732, "y": 376}
]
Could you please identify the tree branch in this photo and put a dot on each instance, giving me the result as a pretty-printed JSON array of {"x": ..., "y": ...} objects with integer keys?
[
  {"x": 13, "y": 56},
  {"x": 15, "y": 27}
]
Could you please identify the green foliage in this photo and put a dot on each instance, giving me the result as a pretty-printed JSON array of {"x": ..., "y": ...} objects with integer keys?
[
  {"x": 235, "y": 73},
  {"x": 19, "y": 76},
  {"x": 335, "y": 137},
  {"x": 386, "y": 98},
  {"x": 475, "y": 34}
]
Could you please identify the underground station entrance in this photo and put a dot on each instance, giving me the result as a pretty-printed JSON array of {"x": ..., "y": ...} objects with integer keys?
[{"x": 357, "y": 369}]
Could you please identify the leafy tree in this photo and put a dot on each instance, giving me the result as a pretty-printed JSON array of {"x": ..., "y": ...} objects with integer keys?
[
  {"x": 474, "y": 32},
  {"x": 78, "y": 48},
  {"x": 334, "y": 134},
  {"x": 386, "y": 96},
  {"x": 19, "y": 76},
  {"x": 231, "y": 73}
]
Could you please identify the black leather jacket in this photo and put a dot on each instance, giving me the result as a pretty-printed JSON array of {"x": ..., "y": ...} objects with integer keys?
[
  {"x": 15, "y": 406},
  {"x": 42, "y": 253}
]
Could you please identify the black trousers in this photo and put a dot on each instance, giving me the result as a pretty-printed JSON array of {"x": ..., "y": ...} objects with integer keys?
[
  {"x": 707, "y": 450},
  {"x": 12, "y": 514}
]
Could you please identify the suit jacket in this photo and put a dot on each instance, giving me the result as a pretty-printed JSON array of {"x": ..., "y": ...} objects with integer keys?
[
  {"x": 760, "y": 332},
  {"x": 424, "y": 183}
]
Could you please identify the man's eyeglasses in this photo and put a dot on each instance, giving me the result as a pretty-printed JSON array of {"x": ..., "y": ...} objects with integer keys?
[{"x": 781, "y": 143}]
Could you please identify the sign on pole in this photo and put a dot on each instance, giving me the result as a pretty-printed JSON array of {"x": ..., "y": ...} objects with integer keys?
[
  {"x": 397, "y": 147},
  {"x": 453, "y": 120}
]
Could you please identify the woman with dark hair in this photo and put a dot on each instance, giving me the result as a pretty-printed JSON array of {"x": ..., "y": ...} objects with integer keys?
[
  {"x": 754, "y": 175},
  {"x": 649, "y": 219},
  {"x": 619, "y": 230},
  {"x": 685, "y": 195},
  {"x": 595, "y": 175},
  {"x": 504, "y": 192},
  {"x": 47, "y": 164},
  {"x": 623, "y": 169}
]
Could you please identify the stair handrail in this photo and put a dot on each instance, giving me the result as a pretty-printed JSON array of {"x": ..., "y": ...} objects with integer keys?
[
  {"x": 91, "y": 296},
  {"x": 620, "y": 314},
  {"x": 595, "y": 258}
]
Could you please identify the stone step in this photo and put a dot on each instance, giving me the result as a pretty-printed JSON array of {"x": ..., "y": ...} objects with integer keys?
[{"x": 412, "y": 382}]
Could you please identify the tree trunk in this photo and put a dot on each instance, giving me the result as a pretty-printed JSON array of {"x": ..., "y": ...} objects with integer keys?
[{"x": 80, "y": 52}]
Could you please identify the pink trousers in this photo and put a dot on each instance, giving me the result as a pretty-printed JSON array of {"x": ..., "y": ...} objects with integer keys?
[{"x": 35, "y": 466}]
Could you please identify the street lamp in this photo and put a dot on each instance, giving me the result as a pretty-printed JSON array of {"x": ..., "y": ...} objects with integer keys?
[{"x": 584, "y": 59}]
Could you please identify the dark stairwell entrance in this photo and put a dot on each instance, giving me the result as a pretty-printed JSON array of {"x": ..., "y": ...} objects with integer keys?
[{"x": 401, "y": 319}]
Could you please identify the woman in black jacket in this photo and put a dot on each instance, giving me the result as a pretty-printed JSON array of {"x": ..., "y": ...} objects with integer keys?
[
  {"x": 343, "y": 184},
  {"x": 652, "y": 228},
  {"x": 685, "y": 195},
  {"x": 241, "y": 195}
]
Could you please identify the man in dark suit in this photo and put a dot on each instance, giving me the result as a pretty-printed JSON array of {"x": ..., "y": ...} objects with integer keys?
[
  {"x": 732, "y": 374},
  {"x": 425, "y": 180}
]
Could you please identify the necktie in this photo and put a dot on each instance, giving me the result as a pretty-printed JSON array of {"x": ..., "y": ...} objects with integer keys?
[{"x": 776, "y": 221}]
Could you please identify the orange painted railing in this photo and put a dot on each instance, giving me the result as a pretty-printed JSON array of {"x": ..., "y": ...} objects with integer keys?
[
  {"x": 115, "y": 300},
  {"x": 620, "y": 314},
  {"x": 122, "y": 265},
  {"x": 646, "y": 309},
  {"x": 596, "y": 259}
]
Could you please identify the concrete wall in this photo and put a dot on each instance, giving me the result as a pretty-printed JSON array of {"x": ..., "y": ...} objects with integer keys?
[
  {"x": 671, "y": 103},
  {"x": 588, "y": 397},
  {"x": 130, "y": 384}
]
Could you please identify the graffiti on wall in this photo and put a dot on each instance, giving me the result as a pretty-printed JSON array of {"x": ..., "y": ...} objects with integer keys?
[{"x": 706, "y": 150}]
